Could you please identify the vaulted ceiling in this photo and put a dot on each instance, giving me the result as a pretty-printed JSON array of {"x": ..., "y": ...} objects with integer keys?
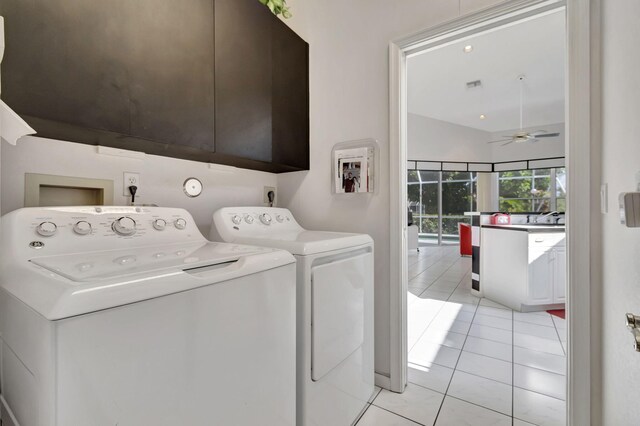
[{"x": 437, "y": 79}]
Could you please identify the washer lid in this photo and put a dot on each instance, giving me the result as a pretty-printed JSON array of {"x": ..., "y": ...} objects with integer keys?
[
  {"x": 111, "y": 264},
  {"x": 64, "y": 286},
  {"x": 303, "y": 243},
  {"x": 277, "y": 228}
]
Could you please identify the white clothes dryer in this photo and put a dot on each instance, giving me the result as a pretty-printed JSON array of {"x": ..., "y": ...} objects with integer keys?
[
  {"x": 335, "y": 362},
  {"x": 129, "y": 316}
]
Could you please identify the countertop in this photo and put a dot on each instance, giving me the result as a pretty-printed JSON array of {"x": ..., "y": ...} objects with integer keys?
[{"x": 542, "y": 228}]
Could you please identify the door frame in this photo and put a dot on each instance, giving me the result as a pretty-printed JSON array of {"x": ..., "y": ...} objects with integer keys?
[{"x": 582, "y": 161}]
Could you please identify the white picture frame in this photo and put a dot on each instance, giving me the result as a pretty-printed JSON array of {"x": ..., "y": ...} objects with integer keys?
[{"x": 354, "y": 164}]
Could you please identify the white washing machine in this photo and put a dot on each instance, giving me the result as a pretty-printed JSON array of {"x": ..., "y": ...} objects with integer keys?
[
  {"x": 129, "y": 316},
  {"x": 335, "y": 309}
]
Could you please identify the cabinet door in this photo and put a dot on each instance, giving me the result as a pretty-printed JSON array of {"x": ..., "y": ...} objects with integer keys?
[
  {"x": 559, "y": 275},
  {"x": 290, "y": 97},
  {"x": 131, "y": 74},
  {"x": 540, "y": 275},
  {"x": 243, "y": 79}
]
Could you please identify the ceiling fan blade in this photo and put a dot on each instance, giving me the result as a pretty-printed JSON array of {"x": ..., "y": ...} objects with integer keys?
[
  {"x": 546, "y": 135},
  {"x": 502, "y": 140},
  {"x": 538, "y": 132},
  {"x": 505, "y": 144}
]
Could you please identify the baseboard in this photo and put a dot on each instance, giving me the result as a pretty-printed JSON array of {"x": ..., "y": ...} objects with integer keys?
[
  {"x": 541, "y": 308},
  {"x": 382, "y": 381}
]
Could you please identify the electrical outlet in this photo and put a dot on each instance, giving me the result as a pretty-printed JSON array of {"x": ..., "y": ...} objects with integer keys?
[
  {"x": 268, "y": 189},
  {"x": 129, "y": 180}
]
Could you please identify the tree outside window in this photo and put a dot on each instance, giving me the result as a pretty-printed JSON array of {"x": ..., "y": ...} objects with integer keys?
[
  {"x": 437, "y": 212},
  {"x": 540, "y": 190}
]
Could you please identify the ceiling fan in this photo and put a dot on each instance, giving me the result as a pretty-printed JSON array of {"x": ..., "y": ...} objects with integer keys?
[{"x": 521, "y": 135}]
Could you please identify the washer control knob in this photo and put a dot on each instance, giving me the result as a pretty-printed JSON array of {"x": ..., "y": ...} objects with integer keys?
[
  {"x": 265, "y": 218},
  {"x": 180, "y": 223},
  {"x": 125, "y": 260},
  {"x": 159, "y": 224},
  {"x": 47, "y": 229},
  {"x": 236, "y": 219},
  {"x": 280, "y": 218},
  {"x": 248, "y": 219},
  {"x": 82, "y": 228},
  {"x": 124, "y": 226}
]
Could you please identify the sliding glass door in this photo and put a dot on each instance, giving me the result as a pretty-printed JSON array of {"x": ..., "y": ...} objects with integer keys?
[{"x": 438, "y": 201}]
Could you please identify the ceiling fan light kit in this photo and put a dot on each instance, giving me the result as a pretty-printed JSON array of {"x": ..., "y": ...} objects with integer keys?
[{"x": 521, "y": 135}]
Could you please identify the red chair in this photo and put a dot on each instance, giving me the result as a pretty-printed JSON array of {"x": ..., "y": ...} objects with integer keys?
[{"x": 464, "y": 230}]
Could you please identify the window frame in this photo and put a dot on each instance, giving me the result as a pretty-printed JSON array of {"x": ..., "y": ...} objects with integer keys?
[{"x": 532, "y": 199}]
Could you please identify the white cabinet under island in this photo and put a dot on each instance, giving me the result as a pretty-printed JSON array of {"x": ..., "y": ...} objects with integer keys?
[{"x": 524, "y": 266}]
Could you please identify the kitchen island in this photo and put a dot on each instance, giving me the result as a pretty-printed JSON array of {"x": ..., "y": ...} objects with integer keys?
[{"x": 524, "y": 265}]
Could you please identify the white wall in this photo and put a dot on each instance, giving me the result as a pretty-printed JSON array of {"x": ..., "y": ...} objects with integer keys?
[
  {"x": 621, "y": 246},
  {"x": 349, "y": 85},
  {"x": 436, "y": 140},
  {"x": 544, "y": 148},
  {"x": 161, "y": 177}
]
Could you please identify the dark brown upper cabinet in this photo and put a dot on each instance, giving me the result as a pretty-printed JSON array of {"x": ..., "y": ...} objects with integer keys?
[
  {"x": 220, "y": 81},
  {"x": 262, "y": 86}
]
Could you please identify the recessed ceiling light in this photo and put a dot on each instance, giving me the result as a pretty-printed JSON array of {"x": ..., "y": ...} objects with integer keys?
[
  {"x": 468, "y": 48},
  {"x": 482, "y": 116}
]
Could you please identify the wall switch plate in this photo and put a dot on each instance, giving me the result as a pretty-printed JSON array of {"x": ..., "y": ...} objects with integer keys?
[
  {"x": 604, "y": 198},
  {"x": 265, "y": 199},
  {"x": 129, "y": 180}
]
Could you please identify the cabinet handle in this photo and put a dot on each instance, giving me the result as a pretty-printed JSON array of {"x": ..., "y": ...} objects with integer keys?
[
  {"x": 633, "y": 321},
  {"x": 633, "y": 324}
]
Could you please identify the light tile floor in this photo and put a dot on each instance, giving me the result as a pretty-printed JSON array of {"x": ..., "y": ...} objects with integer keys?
[{"x": 472, "y": 361}]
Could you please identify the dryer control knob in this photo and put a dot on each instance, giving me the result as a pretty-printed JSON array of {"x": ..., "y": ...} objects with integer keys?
[
  {"x": 180, "y": 223},
  {"x": 159, "y": 224},
  {"x": 248, "y": 219},
  {"x": 82, "y": 228},
  {"x": 124, "y": 226},
  {"x": 280, "y": 218},
  {"x": 236, "y": 219},
  {"x": 265, "y": 218},
  {"x": 47, "y": 229}
]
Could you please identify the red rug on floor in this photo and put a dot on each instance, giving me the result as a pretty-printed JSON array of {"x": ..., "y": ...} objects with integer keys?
[{"x": 557, "y": 312}]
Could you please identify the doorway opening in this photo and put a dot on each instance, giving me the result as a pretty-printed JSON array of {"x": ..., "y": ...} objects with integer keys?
[{"x": 544, "y": 176}]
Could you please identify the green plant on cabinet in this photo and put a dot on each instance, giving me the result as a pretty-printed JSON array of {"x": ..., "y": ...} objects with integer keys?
[{"x": 278, "y": 7}]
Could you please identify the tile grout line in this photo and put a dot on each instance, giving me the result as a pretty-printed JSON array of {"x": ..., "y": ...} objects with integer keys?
[
  {"x": 362, "y": 414},
  {"x": 513, "y": 367},
  {"x": 396, "y": 414},
  {"x": 498, "y": 359},
  {"x": 558, "y": 334},
  {"x": 439, "y": 310},
  {"x": 483, "y": 377},
  {"x": 513, "y": 347},
  {"x": 445, "y": 393},
  {"x": 455, "y": 368},
  {"x": 478, "y": 405}
]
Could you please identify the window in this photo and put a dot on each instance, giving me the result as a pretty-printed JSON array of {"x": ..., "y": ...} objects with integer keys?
[
  {"x": 438, "y": 201},
  {"x": 540, "y": 190},
  {"x": 459, "y": 195}
]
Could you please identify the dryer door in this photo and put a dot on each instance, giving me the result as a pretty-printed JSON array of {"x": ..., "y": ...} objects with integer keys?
[{"x": 337, "y": 309}]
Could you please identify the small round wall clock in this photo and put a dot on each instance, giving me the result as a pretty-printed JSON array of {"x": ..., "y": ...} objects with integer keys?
[{"x": 192, "y": 187}]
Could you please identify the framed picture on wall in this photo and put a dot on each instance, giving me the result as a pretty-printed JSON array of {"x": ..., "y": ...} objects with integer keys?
[{"x": 353, "y": 165}]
